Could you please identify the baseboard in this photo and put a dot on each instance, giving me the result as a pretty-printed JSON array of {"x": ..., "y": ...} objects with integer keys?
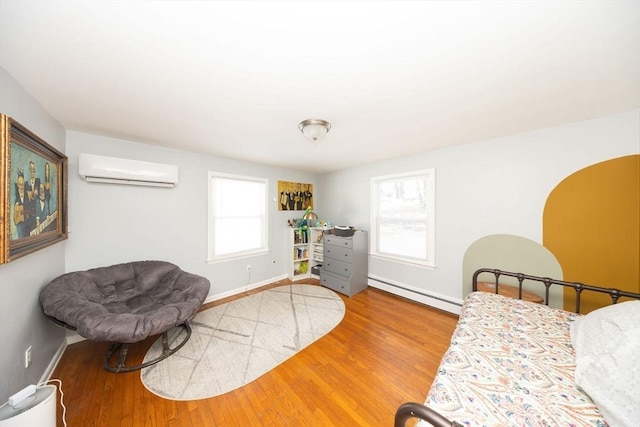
[
  {"x": 74, "y": 337},
  {"x": 432, "y": 299},
  {"x": 46, "y": 376},
  {"x": 247, "y": 288}
]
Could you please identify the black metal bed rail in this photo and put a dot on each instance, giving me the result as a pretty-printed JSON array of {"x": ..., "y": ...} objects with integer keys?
[
  {"x": 578, "y": 287},
  {"x": 411, "y": 410}
]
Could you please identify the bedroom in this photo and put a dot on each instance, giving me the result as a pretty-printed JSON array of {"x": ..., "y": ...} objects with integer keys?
[{"x": 509, "y": 176}]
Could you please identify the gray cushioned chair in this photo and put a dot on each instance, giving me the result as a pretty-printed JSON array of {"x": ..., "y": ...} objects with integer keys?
[{"x": 126, "y": 303}]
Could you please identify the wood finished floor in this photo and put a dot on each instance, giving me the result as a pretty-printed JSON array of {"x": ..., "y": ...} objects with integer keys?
[{"x": 385, "y": 352}]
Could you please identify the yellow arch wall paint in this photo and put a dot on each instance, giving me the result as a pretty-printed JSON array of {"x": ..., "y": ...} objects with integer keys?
[{"x": 591, "y": 223}]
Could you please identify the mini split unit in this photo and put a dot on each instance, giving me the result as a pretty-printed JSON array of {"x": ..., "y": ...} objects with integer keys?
[{"x": 113, "y": 170}]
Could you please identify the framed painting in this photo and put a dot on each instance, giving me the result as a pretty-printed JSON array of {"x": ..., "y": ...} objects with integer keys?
[
  {"x": 294, "y": 196},
  {"x": 33, "y": 192}
]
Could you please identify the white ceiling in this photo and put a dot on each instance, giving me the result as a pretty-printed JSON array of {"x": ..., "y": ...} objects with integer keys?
[{"x": 234, "y": 79}]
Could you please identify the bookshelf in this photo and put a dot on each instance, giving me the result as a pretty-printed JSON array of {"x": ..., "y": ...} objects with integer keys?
[
  {"x": 316, "y": 250},
  {"x": 306, "y": 252},
  {"x": 299, "y": 254}
]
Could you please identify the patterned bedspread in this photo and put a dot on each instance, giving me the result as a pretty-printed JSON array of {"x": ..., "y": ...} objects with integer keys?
[{"x": 511, "y": 363}]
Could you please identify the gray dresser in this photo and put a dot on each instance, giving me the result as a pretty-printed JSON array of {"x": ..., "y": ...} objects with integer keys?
[{"x": 345, "y": 265}]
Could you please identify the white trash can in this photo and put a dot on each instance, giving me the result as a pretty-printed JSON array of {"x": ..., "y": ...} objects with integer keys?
[{"x": 40, "y": 412}]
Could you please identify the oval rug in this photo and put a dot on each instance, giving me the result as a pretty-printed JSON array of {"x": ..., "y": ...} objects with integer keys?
[{"x": 235, "y": 343}]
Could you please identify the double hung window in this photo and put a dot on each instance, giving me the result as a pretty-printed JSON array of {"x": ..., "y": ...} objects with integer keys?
[
  {"x": 237, "y": 216},
  {"x": 403, "y": 217}
]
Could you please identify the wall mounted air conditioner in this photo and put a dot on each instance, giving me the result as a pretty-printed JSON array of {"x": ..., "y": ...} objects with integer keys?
[{"x": 113, "y": 170}]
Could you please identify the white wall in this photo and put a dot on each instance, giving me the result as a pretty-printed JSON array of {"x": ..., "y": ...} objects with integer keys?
[
  {"x": 22, "y": 323},
  {"x": 110, "y": 223},
  {"x": 498, "y": 186}
]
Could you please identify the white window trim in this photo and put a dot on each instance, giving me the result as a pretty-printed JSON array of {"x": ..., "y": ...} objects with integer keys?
[
  {"x": 430, "y": 175},
  {"x": 213, "y": 259}
]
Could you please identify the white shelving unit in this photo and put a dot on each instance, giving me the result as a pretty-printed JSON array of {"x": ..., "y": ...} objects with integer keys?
[
  {"x": 306, "y": 251},
  {"x": 299, "y": 254},
  {"x": 316, "y": 250}
]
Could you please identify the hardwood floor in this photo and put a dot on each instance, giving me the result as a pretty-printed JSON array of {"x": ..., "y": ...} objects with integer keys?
[{"x": 385, "y": 352}]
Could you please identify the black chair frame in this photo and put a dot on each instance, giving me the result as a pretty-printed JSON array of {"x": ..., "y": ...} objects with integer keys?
[{"x": 120, "y": 366}]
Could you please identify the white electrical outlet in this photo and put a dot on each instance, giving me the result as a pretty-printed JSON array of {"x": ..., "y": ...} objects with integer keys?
[
  {"x": 27, "y": 357},
  {"x": 248, "y": 267}
]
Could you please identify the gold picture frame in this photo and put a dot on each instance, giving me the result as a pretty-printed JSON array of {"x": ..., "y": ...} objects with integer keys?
[
  {"x": 33, "y": 192},
  {"x": 294, "y": 196}
]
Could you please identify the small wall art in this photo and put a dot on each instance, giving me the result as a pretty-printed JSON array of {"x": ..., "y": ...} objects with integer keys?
[{"x": 294, "y": 196}]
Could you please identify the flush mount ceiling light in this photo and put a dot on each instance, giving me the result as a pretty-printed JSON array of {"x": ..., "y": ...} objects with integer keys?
[{"x": 314, "y": 129}]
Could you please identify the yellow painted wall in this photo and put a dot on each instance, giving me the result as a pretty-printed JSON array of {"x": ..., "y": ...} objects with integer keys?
[{"x": 591, "y": 223}]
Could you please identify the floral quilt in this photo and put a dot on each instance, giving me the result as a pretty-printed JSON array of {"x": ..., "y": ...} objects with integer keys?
[{"x": 511, "y": 363}]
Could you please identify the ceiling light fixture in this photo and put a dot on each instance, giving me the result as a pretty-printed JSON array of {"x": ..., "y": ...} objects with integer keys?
[{"x": 314, "y": 129}]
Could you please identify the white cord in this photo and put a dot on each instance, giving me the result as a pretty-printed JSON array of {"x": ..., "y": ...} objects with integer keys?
[{"x": 64, "y": 408}]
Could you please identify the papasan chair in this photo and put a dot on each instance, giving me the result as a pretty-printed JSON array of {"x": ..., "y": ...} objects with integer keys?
[{"x": 124, "y": 304}]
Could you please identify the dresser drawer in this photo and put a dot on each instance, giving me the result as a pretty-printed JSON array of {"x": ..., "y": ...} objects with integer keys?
[
  {"x": 339, "y": 253},
  {"x": 341, "y": 268},
  {"x": 334, "y": 282},
  {"x": 345, "y": 242}
]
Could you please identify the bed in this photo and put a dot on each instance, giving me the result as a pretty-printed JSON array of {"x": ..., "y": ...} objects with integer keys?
[{"x": 517, "y": 363}]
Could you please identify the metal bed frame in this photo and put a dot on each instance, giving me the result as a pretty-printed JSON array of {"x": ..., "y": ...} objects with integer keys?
[
  {"x": 578, "y": 287},
  {"x": 411, "y": 410}
]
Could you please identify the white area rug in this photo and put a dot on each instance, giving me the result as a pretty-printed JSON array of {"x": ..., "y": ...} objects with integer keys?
[{"x": 236, "y": 343}]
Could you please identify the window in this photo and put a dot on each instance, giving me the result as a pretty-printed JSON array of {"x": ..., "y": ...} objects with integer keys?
[
  {"x": 402, "y": 217},
  {"x": 237, "y": 216}
]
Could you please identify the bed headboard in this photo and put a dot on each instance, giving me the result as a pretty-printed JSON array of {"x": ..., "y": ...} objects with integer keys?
[{"x": 615, "y": 294}]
